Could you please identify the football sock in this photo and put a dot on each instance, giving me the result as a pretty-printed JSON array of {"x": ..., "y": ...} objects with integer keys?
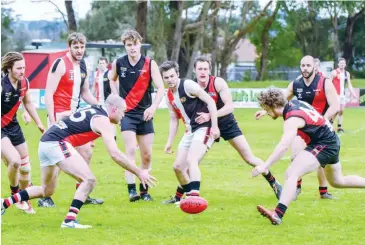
[
  {"x": 270, "y": 178},
  {"x": 74, "y": 210},
  {"x": 299, "y": 184},
  {"x": 179, "y": 193},
  {"x": 14, "y": 189},
  {"x": 143, "y": 190},
  {"x": 18, "y": 197},
  {"x": 280, "y": 210},
  {"x": 322, "y": 190}
]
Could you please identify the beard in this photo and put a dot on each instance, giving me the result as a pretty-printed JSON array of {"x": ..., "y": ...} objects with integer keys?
[{"x": 309, "y": 75}]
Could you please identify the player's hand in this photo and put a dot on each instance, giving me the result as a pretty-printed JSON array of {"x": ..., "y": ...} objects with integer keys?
[
  {"x": 26, "y": 117},
  {"x": 146, "y": 179},
  {"x": 260, "y": 114},
  {"x": 214, "y": 132},
  {"x": 202, "y": 118},
  {"x": 168, "y": 149},
  {"x": 258, "y": 170},
  {"x": 149, "y": 112},
  {"x": 41, "y": 128}
]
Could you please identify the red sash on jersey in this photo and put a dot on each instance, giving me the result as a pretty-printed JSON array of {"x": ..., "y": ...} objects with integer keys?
[
  {"x": 211, "y": 89},
  {"x": 320, "y": 99},
  {"x": 97, "y": 88},
  {"x": 336, "y": 81},
  {"x": 170, "y": 97},
  {"x": 140, "y": 87},
  {"x": 8, "y": 117}
]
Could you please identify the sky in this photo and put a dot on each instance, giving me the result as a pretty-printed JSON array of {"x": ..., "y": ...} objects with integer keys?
[{"x": 28, "y": 10}]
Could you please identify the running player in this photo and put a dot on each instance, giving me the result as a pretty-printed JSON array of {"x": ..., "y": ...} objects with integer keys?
[
  {"x": 323, "y": 148},
  {"x": 56, "y": 150},
  {"x": 136, "y": 73},
  {"x": 319, "y": 92},
  {"x": 14, "y": 149},
  {"x": 185, "y": 99},
  {"x": 67, "y": 81},
  {"x": 341, "y": 78}
]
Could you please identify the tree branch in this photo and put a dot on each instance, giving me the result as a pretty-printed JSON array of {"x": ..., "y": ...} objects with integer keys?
[{"x": 64, "y": 16}]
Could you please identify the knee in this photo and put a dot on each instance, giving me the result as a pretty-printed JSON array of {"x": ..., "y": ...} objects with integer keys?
[
  {"x": 131, "y": 151},
  {"x": 178, "y": 167},
  {"x": 192, "y": 161},
  {"x": 289, "y": 175},
  {"x": 337, "y": 183},
  {"x": 146, "y": 157},
  {"x": 48, "y": 191},
  {"x": 90, "y": 182},
  {"x": 25, "y": 166},
  {"x": 15, "y": 162},
  {"x": 340, "y": 112}
]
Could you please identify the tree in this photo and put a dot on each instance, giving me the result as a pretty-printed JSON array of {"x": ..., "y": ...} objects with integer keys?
[
  {"x": 141, "y": 18},
  {"x": 71, "y": 20},
  {"x": 6, "y": 30}
]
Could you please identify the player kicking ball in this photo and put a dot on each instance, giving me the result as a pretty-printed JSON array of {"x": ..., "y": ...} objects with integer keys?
[
  {"x": 322, "y": 149},
  {"x": 56, "y": 150}
]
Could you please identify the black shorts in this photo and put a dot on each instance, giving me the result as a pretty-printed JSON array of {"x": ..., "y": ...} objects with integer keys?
[
  {"x": 135, "y": 122},
  {"x": 326, "y": 153},
  {"x": 229, "y": 130},
  {"x": 14, "y": 133}
]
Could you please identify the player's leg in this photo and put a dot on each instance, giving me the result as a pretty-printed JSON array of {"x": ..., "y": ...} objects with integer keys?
[
  {"x": 243, "y": 148},
  {"x": 322, "y": 181},
  {"x": 297, "y": 146},
  {"x": 86, "y": 152},
  {"x": 200, "y": 144},
  {"x": 304, "y": 163},
  {"x": 338, "y": 180},
  {"x": 339, "y": 116},
  {"x": 145, "y": 136}
]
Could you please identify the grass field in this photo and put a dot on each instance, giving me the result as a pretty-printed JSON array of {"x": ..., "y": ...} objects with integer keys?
[{"x": 233, "y": 195}]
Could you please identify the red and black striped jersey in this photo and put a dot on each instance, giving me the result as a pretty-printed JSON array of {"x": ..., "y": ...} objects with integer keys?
[
  {"x": 10, "y": 100},
  {"x": 77, "y": 128},
  {"x": 135, "y": 83},
  {"x": 317, "y": 129},
  {"x": 314, "y": 94}
]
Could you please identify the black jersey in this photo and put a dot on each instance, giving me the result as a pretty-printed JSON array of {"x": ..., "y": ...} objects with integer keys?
[
  {"x": 314, "y": 94},
  {"x": 10, "y": 100},
  {"x": 135, "y": 83},
  {"x": 76, "y": 129},
  {"x": 317, "y": 129}
]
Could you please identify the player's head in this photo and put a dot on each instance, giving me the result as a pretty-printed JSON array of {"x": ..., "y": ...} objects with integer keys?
[
  {"x": 13, "y": 63},
  {"x": 317, "y": 65},
  {"x": 132, "y": 41},
  {"x": 76, "y": 43},
  {"x": 307, "y": 66},
  {"x": 342, "y": 63},
  {"x": 116, "y": 107},
  {"x": 202, "y": 67},
  {"x": 273, "y": 101},
  {"x": 102, "y": 63},
  {"x": 170, "y": 73}
]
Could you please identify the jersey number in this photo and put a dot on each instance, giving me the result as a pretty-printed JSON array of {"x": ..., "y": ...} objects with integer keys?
[
  {"x": 312, "y": 114},
  {"x": 82, "y": 114}
]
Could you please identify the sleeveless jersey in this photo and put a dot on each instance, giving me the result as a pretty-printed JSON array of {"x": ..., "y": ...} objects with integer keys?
[
  {"x": 186, "y": 107},
  {"x": 135, "y": 83},
  {"x": 210, "y": 89},
  {"x": 314, "y": 94},
  {"x": 102, "y": 86},
  {"x": 317, "y": 129},
  {"x": 67, "y": 94},
  {"x": 76, "y": 129},
  {"x": 340, "y": 81},
  {"x": 11, "y": 99}
]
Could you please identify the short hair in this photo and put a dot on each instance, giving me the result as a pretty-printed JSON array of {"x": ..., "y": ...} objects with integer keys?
[
  {"x": 271, "y": 98},
  {"x": 202, "y": 59},
  {"x": 115, "y": 100},
  {"x": 341, "y": 59},
  {"x": 76, "y": 37},
  {"x": 167, "y": 65},
  {"x": 316, "y": 60},
  {"x": 131, "y": 35},
  {"x": 7, "y": 62},
  {"x": 103, "y": 58}
]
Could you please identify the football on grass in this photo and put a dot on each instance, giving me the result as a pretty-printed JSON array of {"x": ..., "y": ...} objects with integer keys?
[{"x": 193, "y": 205}]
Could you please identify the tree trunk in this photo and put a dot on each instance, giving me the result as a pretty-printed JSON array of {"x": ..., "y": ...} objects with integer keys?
[
  {"x": 72, "y": 27},
  {"x": 141, "y": 18},
  {"x": 178, "y": 32},
  {"x": 347, "y": 45},
  {"x": 215, "y": 41},
  {"x": 265, "y": 44}
]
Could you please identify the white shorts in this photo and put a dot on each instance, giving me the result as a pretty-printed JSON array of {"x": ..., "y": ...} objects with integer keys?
[
  {"x": 343, "y": 100},
  {"x": 52, "y": 152},
  {"x": 59, "y": 116},
  {"x": 201, "y": 135}
]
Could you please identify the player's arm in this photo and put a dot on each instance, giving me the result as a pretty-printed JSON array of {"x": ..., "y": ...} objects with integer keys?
[
  {"x": 333, "y": 74},
  {"x": 332, "y": 98},
  {"x": 289, "y": 91},
  {"x": 102, "y": 125},
  {"x": 222, "y": 88},
  {"x": 290, "y": 132},
  {"x": 194, "y": 89},
  {"x": 86, "y": 93},
  {"x": 158, "y": 83},
  {"x": 28, "y": 105},
  {"x": 113, "y": 78},
  {"x": 174, "y": 125},
  {"x": 349, "y": 84},
  {"x": 53, "y": 79}
]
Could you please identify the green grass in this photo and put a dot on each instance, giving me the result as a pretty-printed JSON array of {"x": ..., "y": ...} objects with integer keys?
[
  {"x": 231, "y": 217},
  {"x": 357, "y": 83}
]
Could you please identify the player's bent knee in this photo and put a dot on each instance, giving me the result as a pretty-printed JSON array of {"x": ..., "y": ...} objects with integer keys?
[
  {"x": 178, "y": 167},
  {"x": 90, "y": 182},
  {"x": 146, "y": 157},
  {"x": 15, "y": 162},
  {"x": 337, "y": 183},
  {"x": 48, "y": 191}
]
